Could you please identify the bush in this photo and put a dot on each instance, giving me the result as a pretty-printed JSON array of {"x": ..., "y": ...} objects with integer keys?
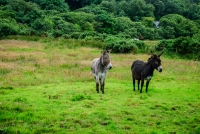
[
  {"x": 165, "y": 44},
  {"x": 42, "y": 25},
  {"x": 62, "y": 27},
  {"x": 79, "y": 97},
  {"x": 122, "y": 46},
  {"x": 87, "y": 34},
  {"x": 186, "y": 47},
  {"x": 75, "y": 35},
  {"x": 175, "y": 26},
  {"x": 8, "y": 27},
  {"x": 84, "y": 20}
]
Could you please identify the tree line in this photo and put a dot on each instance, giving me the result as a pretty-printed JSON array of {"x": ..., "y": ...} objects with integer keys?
[{"x": 109, "y": 21}]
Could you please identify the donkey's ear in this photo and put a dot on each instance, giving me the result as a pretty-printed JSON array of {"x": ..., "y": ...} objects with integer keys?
[
  {"x": 152, "y": 53},
  {"x": 103, "y": 52},
  {"x": 108, "y": 51},
  {"x": 160, "y": 54}
]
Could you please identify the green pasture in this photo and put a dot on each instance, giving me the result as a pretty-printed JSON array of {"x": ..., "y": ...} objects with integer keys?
[{"x": 49, "y": 88}]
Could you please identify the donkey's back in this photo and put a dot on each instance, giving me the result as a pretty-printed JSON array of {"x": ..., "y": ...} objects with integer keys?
[
  {"x": 94, "y": 66},
  {"x": 137, "y": 68}
]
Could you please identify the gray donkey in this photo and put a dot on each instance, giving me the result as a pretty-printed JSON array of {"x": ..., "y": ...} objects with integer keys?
[{"x": 99, "y": 69}]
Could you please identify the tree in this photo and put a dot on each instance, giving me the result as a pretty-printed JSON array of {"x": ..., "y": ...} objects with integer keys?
[
  {"x": 58, "y": 5},
  {"x": 61, "y": 27},
  {"x": 42, "y": 25},
  {"x": 3, "y": 2},
  {"x": 181, "y": 25},
  {"x": 125, "y": 27},
  {"x": 76, "y": 4},
  {"x": 25, "y": 12},
  {"x": 122, "y": 7},
  {"x": 194, "y": 12},
  {"x": 148, "y": 21},
  {"x": 105, "y": 24},
  {"x": 141, "y": 29},
  {"x": 159, "y": 9},
  {"x": 169, "y": 32},
  {"x": 32, "y": 15},
  {"x": 138, "y": 9},
  {"x": 109, "y": 6},
  {"x": 7, "y": 14},
  {"x": 174, "y": 7},
  {"x": 84, "y": 20}
]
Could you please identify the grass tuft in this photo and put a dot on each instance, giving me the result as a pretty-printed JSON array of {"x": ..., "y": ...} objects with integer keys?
[
  {"x": 4, "y": 71},
  {"x": 6, "y": 88},
  {"x": 80, "y": 97}
]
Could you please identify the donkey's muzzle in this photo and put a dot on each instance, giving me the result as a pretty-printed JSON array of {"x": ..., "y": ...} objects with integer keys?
[
  {"x": 160, "y": 69},
  {"x": 109, "y": 66}
]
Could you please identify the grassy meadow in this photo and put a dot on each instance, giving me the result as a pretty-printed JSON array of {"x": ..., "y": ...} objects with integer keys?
[{"x": 49, "y": 88}]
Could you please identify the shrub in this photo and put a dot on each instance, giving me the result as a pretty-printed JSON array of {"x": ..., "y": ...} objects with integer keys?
[
  {"x": 8, "y": 27},
  {"x": 87, "y": 34},
  {"x": 80, "y": 97},
  {"x": 122, "y": 46},
  {"x": 42, "y": 25},
  {"x": 186, "y": 47},
  {"x": 165, "y": 44},
  {"x": 75, "y": 35}
]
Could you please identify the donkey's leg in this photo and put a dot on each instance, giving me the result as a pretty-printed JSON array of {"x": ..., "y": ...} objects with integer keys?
[
  {"x": 133, "y": 83},
  {"x": 138, "y": 84},
  {"x": 102, "y": 85},
  {"x": 142, "y": 85},
  {"x": 102, "y": 90},
  {"x": 97, "y": 84},
  {"x": 147, "y": 84},
  {"x": 97, "y": 87}
]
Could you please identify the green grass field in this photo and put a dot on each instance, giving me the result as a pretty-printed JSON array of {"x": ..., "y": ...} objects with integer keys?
[{"x": 46, "y": 88}]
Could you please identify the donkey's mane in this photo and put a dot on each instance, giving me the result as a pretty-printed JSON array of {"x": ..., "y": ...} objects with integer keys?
[
  {"x": 150, "y": 59},
  {"x": 101, "y": 64}
]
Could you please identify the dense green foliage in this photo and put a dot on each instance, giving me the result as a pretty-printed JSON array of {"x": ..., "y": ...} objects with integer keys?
[
  {"x": 101, "y": 20},
  {"x": 185, "y": 46},
  {"x": 131, "y": 18}
]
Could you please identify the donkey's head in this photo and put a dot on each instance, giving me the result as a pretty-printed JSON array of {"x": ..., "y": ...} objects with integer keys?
[
  {"x": 105, "y": 59},
  {"x": 156, "y": 62}
]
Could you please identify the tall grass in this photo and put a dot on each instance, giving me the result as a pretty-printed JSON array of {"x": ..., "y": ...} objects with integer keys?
[{"x": 48, "y": 88}]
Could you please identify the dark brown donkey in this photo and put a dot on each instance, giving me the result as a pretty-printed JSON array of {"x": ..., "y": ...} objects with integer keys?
[
  {"x": 144, "y": 70},
  {"x": 99, "y": 68}
]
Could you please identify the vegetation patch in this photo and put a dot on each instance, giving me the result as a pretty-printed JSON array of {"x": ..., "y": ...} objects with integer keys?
[
  {"x": 6, "y": 88},
  {"x": 79, "y": 97},
  {"x": 4, "y": 71}
]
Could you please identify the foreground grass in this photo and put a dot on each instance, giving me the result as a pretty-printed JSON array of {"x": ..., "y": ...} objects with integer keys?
[{"x": 46, "y": 89}]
